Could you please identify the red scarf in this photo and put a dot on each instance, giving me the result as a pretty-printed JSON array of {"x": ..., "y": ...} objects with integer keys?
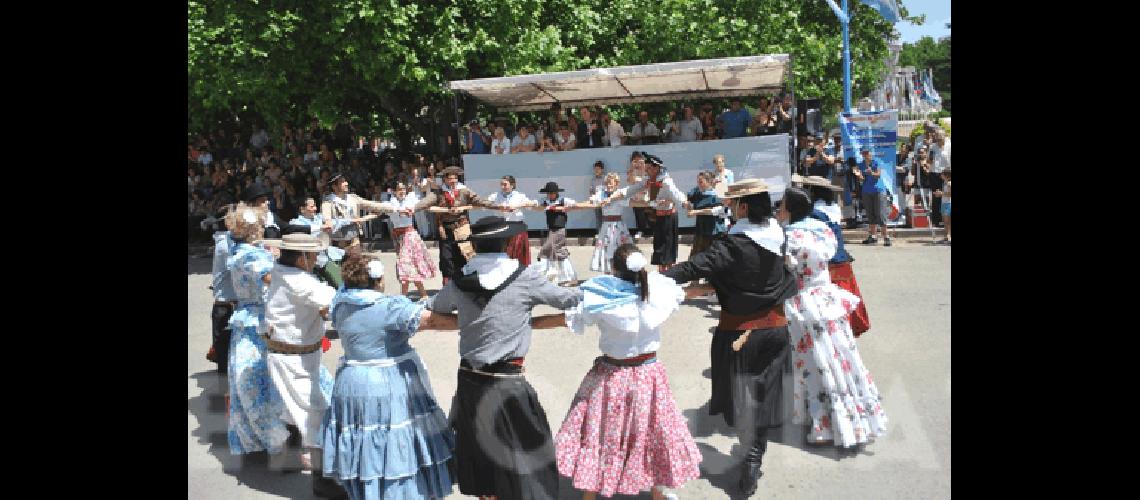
[{"x": 449, "y": 197}]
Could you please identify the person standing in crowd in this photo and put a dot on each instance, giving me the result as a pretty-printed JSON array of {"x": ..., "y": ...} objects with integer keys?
[
  {"x": 554, "y": 257},
  {"x": 709, "y": 124},
  {"x": 826, "y": 210},
  {"x": 382, "y": 398},
  {"x": 524, "y": 142},
  {"x": 413, "y": 264},
  {"x": 614, "y": 133},
  {"x": 664, "y": 202},
  {"x": 343, "y": 209},
  {"x": 688, "y": 129},
  {"x": 510, "y": 201},
  {"x": 644, "y": 132},
  {"x": 734, "y": 123},
  {"x": 817, "y": 162},
  {"x": 450, "y": 208},
  {"x": 750, "y": 345},
  {"x": 724, "y": 176},
  {"x": 623, "y": 432},
  {"x": 939, "y": 148},
  {"x": 762, "y": 123},
  {"x": 833, "y": 391},
  {"x": 295, "y": 309},
  {"x": 565, "y": 140},
  {"x": 255, "y": 406},
  {"x": 945, "y": 194},
  {"x": 503, "y": 445},
  {"x": 708, "y": 210},
  {"x": 477, "y": 142},
  {"x": 501, "y": 144},
  {"x": 589, "y": 132},
  {"x": 874, "y": 194},
  {"x": 224, "y": 299},
  {"x": 785, "y": 114}
]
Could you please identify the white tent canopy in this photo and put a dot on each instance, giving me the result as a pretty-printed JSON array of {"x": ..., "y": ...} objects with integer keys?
[{"x": 708, "y": 78}]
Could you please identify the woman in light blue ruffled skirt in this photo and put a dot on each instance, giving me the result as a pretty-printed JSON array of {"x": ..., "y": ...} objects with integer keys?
[
  {"x": 384, "y": 435},
  {"x": 255, "y": 407}
]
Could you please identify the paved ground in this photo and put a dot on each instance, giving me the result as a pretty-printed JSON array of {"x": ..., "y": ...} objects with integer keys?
[{"x": 907, "y": 288}]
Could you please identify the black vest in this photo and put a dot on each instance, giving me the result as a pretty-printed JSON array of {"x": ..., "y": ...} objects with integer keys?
[{"x": 555, "y": 220}]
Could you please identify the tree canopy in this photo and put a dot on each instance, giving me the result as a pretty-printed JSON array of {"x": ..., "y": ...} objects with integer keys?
[
  {"x": 387, "y": 62},
  {"x": 926, "y": 53}
]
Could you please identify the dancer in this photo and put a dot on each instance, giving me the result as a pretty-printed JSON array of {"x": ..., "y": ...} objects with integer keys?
[
  {"x": 503, "y": 444},
  {"x": 224, "y": 300},
  {"x": 295, "y": 309},
  {"x": 510, "y": 202},
  {"x": 255, "y": 407},
  {"x": 384, "y": 435},
  {"x": 624, "y": 433},
  {"x": 750, "y": 345},
  {"x": 450, "y": 208},
  {"x": 327, "y": 267},
  {"x": 613, "y": 232},
  {"x": 664, "y": 201},
  {"x": 554, "y": 257},
  {"x": 412, "y": 262},
  {"x": 833, "y": 391},
  {"x": 826, "y": 210},
  {"x": 708, "y": 210},
  {"x": 344, "y": 209}
]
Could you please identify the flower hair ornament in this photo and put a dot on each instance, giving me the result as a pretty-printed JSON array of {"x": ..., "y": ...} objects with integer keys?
[
  {"x": 375, "y": 269},
  {"x": 635, "y": 262},
  {"x": 249, "y": 216}
]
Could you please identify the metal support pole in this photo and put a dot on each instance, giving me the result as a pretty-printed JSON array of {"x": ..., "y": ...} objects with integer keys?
[
  {"x": 458, "y": 127},
  {"x": 846, "y": 59}
]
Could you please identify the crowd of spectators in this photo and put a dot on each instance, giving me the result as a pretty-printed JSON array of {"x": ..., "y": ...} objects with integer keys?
[
  {"x": 595, "y": 128},
  {"x": 297, "y": 165}
]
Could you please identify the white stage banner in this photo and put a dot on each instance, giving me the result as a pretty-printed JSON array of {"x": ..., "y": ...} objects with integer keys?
[{"x": 764, "y": 157}]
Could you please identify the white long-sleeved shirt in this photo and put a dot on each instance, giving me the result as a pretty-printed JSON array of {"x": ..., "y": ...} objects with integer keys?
[
  {"x": 514, "y": 198},
  {"x": 668, "y": 197},
  {"x": 293, "y": 308},
  {"x": 633, "y": 328}
]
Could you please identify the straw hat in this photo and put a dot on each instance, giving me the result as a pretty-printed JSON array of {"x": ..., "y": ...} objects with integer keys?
[
  {"x": 300, "y": 242},
  {"x": 451, "y": 170},
  {"x": 745, "y": 188},
  {"x": 814, "y": 180}
]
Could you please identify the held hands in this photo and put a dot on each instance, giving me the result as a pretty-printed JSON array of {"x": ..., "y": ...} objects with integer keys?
[{"x": 698, "y": 291}]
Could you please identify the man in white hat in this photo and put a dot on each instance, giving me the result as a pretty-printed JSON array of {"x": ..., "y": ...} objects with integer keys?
[
  {"x": 295, "y": 310},
  {"x": 750, "y": 345}
]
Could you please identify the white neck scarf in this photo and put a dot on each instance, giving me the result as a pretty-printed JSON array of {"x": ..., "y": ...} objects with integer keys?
[
  {"x": 768, "y": 235},
  {"x": 831, "y": 211},
  {"x": 493, "y": 268}
]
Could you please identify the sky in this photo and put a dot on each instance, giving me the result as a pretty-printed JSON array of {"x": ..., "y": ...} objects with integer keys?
[{"x": 937, "y": 15}]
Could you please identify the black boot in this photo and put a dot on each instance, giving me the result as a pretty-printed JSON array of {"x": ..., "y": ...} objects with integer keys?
[{"x": 750, "y": 471}]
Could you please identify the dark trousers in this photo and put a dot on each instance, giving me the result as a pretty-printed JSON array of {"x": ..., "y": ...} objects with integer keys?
[
  {"x": 933, "y": 182},
  {"x": 220, "y": 319},
  {"x": 451, "y": 259},
  {"x": 641, "y": 220}
]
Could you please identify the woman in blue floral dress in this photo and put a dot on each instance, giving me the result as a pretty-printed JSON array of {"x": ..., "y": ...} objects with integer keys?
[
  {"x": 255, "y": 407},
  {"x": 384, "y": 436}
]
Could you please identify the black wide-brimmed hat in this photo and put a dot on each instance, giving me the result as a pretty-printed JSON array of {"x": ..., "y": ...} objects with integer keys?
[
  {"x": 495, "y": 227},
  {"x": 551, "y": 187},
  {"x": 653, "y": 159},
  {"x": 257, "y": 191}
]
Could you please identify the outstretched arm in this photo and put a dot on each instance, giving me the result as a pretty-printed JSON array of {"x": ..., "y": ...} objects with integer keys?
[{"x": 438, "y": 321}]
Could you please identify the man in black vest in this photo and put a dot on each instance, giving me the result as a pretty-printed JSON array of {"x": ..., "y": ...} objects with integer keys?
[
  {"x": 750, "y": 346},
  {"x": 554, "y": 258}
]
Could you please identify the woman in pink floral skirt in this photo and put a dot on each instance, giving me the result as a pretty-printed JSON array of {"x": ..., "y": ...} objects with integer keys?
[
  {"x": 623, "y": 433},
  {"x": 412, "y": 262}
]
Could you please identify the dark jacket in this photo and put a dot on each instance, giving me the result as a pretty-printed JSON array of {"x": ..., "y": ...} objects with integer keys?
[
  {"x": 583, "y": 139},
  {"x": 748, "y": 278}
]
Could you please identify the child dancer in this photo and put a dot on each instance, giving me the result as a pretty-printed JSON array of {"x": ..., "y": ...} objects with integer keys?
[
  {"x": 624, "y": 433},
  {"x": 412, "y": 262},
  {"x": 554, "y": 258},
  {"x": 708, "y": 211},
  {"x": 509, "y": 201}
]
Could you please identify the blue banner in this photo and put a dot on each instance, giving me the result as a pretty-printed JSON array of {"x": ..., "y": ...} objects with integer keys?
[
  {"x": 879, "y": 131},
  {"x": 889, "y": 9}
]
